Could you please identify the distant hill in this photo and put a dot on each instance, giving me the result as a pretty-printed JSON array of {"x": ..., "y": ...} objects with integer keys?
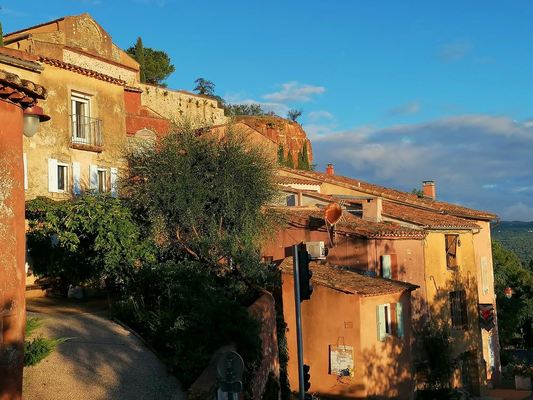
[{"x": 516, "y": 236}]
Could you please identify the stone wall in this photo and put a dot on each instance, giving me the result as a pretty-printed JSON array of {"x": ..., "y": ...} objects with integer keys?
[{"x": 179, "y": 106}]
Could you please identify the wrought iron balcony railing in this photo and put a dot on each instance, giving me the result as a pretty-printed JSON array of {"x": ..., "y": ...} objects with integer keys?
[{"x": 86, "y": 131}]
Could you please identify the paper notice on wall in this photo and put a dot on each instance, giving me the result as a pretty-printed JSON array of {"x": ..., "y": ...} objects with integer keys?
[{"x": 341, "y": 360}]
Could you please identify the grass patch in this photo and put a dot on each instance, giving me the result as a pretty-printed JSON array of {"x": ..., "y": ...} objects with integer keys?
[{"x": 38, "y": 348}]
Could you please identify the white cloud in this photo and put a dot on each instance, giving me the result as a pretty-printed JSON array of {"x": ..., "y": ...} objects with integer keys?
[
  {"x": 294, "y": 92},
  {"x": 480, "y": 161},
  {"x": 320, "y": 114},
  {"x": 518, "y": 212},
  {"x": 405, "y": 109}
]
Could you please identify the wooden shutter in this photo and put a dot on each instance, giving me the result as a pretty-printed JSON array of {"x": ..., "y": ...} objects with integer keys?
[
  {"x": 380, "y": 322},
  {"x": 463, "y": 308},
  {"x": 93, "y": 178},
  {"x": 399, "y": 320},
  {"x": 485, "y": 275},
  {"x": 114, "y": 182},
  {"x": 76, "y": 178},
  {"x": 386, "y": 271},
  {"x": 451, "y": 251},
  {"x": 25, "y": 164},
  {"x": 52, "y": 175}
]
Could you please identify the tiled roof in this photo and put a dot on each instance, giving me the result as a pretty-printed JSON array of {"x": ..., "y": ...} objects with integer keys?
[
  {"x": 20, "y": 91},
  {"x": 83, "y": 71},
  {"x": 313, "y": 217},
  {"x": 350, "y": 281},
  {"x": 288, "y": 180},
  {"x": 426, "y": 218},
  {"x": 395, "y": 195}
]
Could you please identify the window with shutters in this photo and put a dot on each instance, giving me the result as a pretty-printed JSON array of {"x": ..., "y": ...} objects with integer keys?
[
  {"x": 62, "y": 177},
  {"x": 102, "y": 180},
  {"x": 86, "y": 130},
  {"x": 458, "y": 308},
  {"x": 389, "y": 320},
  {"x": 451, "y": 242},
  {"x": 389, "y": 266}
]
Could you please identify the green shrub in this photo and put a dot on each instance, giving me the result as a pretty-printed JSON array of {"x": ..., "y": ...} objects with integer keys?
[
  {"x": 37, "y": 349},
  {"x": 87, "y": 238}
]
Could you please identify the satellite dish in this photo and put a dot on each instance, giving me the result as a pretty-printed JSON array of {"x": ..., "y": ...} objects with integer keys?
[{"x": 332, "y": 213}]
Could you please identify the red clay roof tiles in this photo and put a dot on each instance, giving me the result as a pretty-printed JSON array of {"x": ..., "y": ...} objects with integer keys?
[{"x": 350, "y": 281}]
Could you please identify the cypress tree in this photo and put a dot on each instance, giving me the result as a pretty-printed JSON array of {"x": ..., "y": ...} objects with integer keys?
[
  {"x": 290, "y": 160},
  {"x": 305, "y": 158},
  {"x": 139, "y": 56},
  {"x": 1, "y": 36},
  {"x": 281, "y": 155}
]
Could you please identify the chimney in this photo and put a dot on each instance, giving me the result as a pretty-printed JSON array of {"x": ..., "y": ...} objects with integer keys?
[
  {"x": 330, "y": 170},
  {"x": 372, "y": 209},
  {"x": 428, "y": 188}
]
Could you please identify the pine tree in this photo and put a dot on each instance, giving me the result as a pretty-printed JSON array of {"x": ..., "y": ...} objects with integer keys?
[{"x": 139, "y": 56}]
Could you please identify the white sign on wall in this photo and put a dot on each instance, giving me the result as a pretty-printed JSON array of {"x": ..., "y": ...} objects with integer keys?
[{"x": 341, "y": 360}]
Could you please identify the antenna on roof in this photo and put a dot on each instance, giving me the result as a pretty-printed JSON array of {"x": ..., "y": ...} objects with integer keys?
[{"x": 332, "y": 215}]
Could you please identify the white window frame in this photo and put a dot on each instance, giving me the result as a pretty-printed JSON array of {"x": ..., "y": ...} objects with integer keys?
[
  {"x": 76, "y": 97},
  {"x": 65, "y": 178}
]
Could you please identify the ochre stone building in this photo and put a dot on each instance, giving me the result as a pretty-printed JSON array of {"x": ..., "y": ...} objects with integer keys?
[{"x": 450, "y": 262}]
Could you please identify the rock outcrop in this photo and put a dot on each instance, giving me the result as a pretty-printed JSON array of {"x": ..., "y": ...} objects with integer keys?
[{"x": 287, "y": 134}]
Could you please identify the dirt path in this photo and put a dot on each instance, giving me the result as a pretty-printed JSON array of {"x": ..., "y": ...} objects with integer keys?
[{"x": 101, "y": 360}]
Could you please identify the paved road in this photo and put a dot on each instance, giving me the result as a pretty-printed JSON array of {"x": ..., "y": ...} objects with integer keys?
[{"x": 100, "y": 361}]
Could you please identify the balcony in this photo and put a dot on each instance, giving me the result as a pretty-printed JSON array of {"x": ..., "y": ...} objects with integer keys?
[{"x": 86, "y": 133}]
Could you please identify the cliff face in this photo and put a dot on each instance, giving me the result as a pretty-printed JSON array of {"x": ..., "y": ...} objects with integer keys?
[{"x": 286, "y": 133}]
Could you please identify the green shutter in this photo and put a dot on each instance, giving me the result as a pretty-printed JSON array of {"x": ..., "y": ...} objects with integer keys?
[
  {"x": 399, "y": 319},
  {"x": 380, "y": 322},
  {"x": 386, "y": 266}
]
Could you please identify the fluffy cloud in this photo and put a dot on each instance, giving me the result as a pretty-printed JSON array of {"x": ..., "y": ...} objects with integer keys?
[
  {"x": 518, "y": 212},
  {"x": 294, "y": 92},
  {"x": 320, "y": 114},
  {"x": 479, "y": 161}
]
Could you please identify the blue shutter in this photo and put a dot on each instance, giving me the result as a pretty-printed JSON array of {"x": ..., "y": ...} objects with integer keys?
[
  {"x": 380, "y": 322},
  {"x": 386, "y": 266},
  {"x": 399, "y": 319}
]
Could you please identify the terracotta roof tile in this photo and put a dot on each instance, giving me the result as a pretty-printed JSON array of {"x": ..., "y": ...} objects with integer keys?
[
  {"x": 83, "y": 71},
  {"x": 18, "y": 90},
  {"x": 288, "y": 180},
  {"x": 313, "y": 218},
  {"x": 427, "y": 218},
  {"x": 396, "y": 195},
  {"x": 350, "y": 281}
]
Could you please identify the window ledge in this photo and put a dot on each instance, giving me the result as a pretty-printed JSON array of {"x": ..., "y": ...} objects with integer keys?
[{"x": 87, "y": 147}]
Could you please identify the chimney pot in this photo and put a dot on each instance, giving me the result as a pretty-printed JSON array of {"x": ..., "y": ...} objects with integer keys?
[
  {"x": 330, "y": 170},
  {"x": 429, "y": 189}
]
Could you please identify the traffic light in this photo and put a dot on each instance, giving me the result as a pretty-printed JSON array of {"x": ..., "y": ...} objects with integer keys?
[
  {"x": 305, "y": 274},
  {"x": 307, "y": 377}
]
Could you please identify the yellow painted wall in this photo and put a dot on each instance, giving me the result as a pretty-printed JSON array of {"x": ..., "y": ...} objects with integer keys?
[
  {"x": 440, "y": 281},
  {"x": 54, "y": 137}
]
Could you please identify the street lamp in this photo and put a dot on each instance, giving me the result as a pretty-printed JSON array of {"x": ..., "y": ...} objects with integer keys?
[{"x": 32, "y": 117}]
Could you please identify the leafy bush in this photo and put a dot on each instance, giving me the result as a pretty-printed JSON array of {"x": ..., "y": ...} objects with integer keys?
[
  {"x": 37, "y": 349},
  {"x": 88, "y": 238},
  {"x": 182, "y": 310}
]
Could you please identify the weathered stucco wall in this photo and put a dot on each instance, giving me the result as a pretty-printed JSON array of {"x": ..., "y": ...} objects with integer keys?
[
  {"x": 12, "y": 252},
  {"x": 180, "y": 106},
  {"x": 54, "y": 138}
]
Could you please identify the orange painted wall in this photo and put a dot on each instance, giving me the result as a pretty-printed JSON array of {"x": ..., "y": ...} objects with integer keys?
[
  {"x": 12, "y": 252},
  {"x": 333, "y": 317}
]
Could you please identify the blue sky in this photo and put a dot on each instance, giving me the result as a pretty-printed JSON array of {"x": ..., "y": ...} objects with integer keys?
[{"x": 393, "y": 92}]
